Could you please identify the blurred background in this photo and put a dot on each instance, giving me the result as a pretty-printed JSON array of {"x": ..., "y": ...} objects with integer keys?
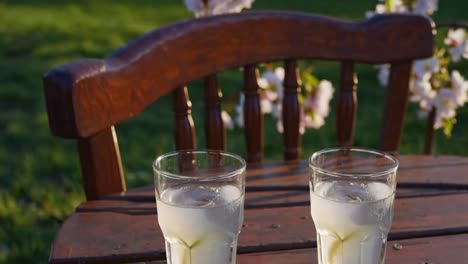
[{"x": 40, "y": 182}]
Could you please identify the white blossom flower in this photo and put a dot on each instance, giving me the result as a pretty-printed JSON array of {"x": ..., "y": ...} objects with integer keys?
[
  {"x": 325, "y": 90},
  {"x": 263, "y": 83},
  {"x": 423, "y": 69},
  {"x": 445, "y": 104},
  {"x": 215, "y": 7},
  {"x": 196, "y": 6},
  {"x": 425, "y": 7},
  {"x": 276, "y": 78},
  {"x": 320, "y": 103},
  {"x": 276, "y": 110},
  {"x": 431, "y": 72},
  {"x": 384, "y": 73},
  {"x": 227, "y": 120},
  {"x": 279, "y": 126},
  {"x": 396, "y": 6},
  {"x": 455, "y": 37},
  {"x": 379, "y": 9},
  {"x": 312, "y": 113},
  {"x": 270, "y": 95},
  {"x": 460, "y": 88},
  {"x": 277, "y": 113},
  {"x": 266, "y": 106},
  {"x": 239, "y": 119},
  {"x": 458, "y": 46},
  {"x": 301, "y": 129},
  {"x": 267, "y": 96},
  {"x": 315, "y": 121},
  {"x": 438, "y": 122},
  {"x": 423, "y": 93}
]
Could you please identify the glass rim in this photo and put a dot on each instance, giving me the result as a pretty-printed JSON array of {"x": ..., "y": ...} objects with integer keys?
[
  {"x": 389, "y": 157},
  {"x": 243, "y": 165}
]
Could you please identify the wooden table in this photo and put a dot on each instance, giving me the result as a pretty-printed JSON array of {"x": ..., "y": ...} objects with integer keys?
[{"x": 430, "y": 223}]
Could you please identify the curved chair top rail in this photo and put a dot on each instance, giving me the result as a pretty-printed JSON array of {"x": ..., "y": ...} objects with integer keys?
[{"x": 88, "y": 95}]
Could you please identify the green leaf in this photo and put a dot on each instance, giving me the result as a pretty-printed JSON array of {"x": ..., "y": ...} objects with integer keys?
[
  {"x": 439, "y": 52},
  {"x": 441, "y": 79},
  {"x": 389, "y": 5},
  {"x": 447, "y": 125},
  {"x": 310, "y": 81}
]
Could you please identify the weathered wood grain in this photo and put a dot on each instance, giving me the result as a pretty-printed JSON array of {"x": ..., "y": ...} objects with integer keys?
[
  {"x": 101, "y": 231},
  {"x": 445, "y": 249},
  {"x": 133, "y": 234}
]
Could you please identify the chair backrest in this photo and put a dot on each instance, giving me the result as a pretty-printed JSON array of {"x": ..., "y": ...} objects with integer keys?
[{"x": 86, "y": 98}]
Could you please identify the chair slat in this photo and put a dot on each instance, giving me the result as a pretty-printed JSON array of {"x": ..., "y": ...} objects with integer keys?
[
  {"x": 184, "y": 131},
  {"x": 429, "y": 140},
  {"x": 253, "y": 117},
  {"x": 395, "y": 106},
  {"x": 214, "y": 128},
  {"x": 101, "y": 167},
  {"x": 346, "y": 105},
  {"x": 291, "y": 111}
]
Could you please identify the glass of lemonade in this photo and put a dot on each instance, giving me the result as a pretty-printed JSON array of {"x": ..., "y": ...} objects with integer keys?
[
  {"x": 351, "y": 196},
  {"x": 200, "y": 203}
]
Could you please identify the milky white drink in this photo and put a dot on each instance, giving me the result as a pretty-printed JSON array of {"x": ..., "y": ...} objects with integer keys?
[
  {"x": 352, "y": 221},
  {"x": 201, "y": 223}
]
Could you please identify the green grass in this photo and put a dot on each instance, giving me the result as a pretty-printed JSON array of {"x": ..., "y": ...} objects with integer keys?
[{"x": 40, "y": 182}]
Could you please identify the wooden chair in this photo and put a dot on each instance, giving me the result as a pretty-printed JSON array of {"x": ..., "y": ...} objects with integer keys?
[{"x": 86, "y": 98}]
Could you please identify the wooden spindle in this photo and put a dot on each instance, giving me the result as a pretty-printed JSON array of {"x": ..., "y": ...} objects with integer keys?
[
  {"x": 397, "y": 97},
  {"x": 291, "y": 111},
  {"x": 101, "y": 166},
  {"x": 183, "y": 123},
  {"x": 429, "y": 140},
  {"x": 253, "y": 117},
  {"x": 346, "y": 105},
  {"x": 214, "y": 127}
]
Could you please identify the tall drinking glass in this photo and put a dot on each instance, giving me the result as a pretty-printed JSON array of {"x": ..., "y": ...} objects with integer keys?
[
  {"x": 351, "y": 196},
  {"x": 200, "y": 202}
]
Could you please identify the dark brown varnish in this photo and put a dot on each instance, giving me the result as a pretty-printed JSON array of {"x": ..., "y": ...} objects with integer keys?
[{"x": 86, "y": 98}]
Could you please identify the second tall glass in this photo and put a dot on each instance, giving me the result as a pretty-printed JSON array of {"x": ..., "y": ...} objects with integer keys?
[{"x": 351, "y": 195}]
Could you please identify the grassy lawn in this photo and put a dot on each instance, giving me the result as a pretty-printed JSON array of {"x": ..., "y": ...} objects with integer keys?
[{"x": 40, "y": 182}]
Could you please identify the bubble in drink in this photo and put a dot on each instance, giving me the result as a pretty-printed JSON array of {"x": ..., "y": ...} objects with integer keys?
[
  {"x": 352, "y": 221},
  {"x": 200, "y": 223}
]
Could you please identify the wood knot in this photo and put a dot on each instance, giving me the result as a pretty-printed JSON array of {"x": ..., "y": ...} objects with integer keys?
[{"x": 274, "y": 226}]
